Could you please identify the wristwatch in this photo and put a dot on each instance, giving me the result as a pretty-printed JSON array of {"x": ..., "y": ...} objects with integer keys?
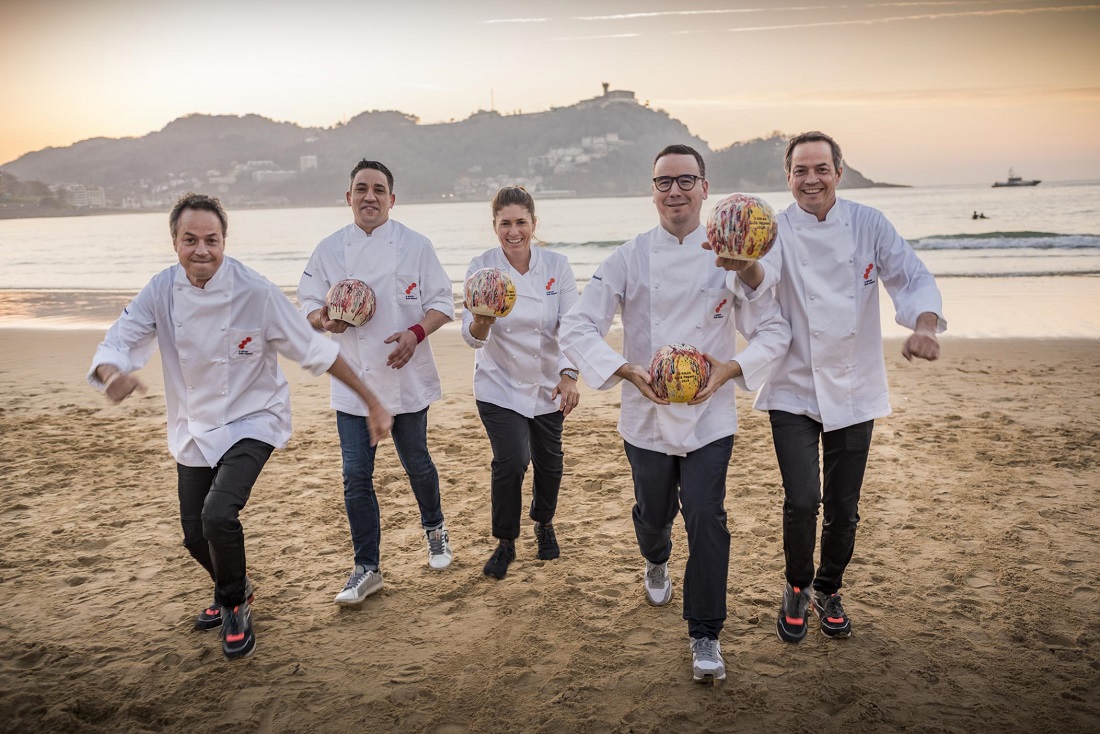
[{"x": 572, "y": 374}]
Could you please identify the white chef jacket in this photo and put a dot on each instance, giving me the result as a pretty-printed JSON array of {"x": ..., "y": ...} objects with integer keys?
[
  {"x": 519, "y": 363},
  {"x": 670, "y": 292},
  {"x": 401, "y": 266},
  {"x": 826, "y": 276},
  {"x": 218, "y": 349}
]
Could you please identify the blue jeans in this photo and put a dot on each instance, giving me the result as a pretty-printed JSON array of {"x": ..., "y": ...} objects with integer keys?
[
  {"x": 694, "y": 485},
  {"x": 410, "y": 439}
]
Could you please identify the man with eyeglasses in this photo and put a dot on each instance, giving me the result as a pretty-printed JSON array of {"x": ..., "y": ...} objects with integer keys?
[
  {"x": 830, "y": 386},
  {"x": 669, "y": 290}
]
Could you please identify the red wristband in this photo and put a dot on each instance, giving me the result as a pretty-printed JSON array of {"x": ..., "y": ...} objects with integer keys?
[{"x": 419, "y": 331}]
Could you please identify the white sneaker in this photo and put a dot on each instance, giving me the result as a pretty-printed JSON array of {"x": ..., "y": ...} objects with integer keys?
[
  {"x": 658, "y": 586},
  {"x": 707, "y": 665},
  {"x": 361, "y": 584},
  {"x": 440, "y": 554}
]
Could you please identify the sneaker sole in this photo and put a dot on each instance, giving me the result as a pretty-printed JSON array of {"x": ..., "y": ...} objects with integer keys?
[
  {"x": 708, "y": 678},
  {"x": 789, "y": 638},
  {"x": 360, "y": 600},
  {"x": 240, "y": 655},
  {"x": 650, "y": 602},
  {"x": 213, "y": 625}
]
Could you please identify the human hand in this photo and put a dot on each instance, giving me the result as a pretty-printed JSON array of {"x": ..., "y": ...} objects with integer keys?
[
  {"x": 641, "y": 379},
  {"x": 720, "y": 373},
  {"x": 403, "y": 352},
  {"x": 570, "y": 395},
  {"x": 334, "y": 326},
  {"x": 121, "y": 385},
  {"x": 380, "y": 422},
  {"x": 921, "y": 343}
]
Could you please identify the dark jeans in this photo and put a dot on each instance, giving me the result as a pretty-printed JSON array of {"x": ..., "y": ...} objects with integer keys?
[
  {"x": 694, "y": 485},
  {"x": 410, "y": 439},
  {"x": 211, "y": 500},
  {"x": 518, "y": 441},
  {"x": 845, "y": 459}
]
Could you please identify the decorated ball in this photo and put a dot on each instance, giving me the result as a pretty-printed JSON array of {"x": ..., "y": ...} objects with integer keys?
[
  {"x": 490, "y": 292},
  {"x": 350, "y": 300},
  {"x": 742, "y": 227},
  {"x": 679, "y": 371}
]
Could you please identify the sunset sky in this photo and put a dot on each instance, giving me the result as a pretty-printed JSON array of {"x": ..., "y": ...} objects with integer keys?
[{"x": 916, "y": 92}]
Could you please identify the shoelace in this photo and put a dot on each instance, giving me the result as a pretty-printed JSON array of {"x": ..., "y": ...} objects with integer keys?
[
  {"x": 656, "y": 574},
  {"x": 354, "y": 580},
  {"x": 435, "y": 542},
  {"x": 547, "y": 537},
  {"x": 705, "y": 649},
  {"x": 833, "y": 607}
]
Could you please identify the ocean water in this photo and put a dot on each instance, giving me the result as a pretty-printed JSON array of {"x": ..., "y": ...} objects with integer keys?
[{"x": 1051, "y": 231}]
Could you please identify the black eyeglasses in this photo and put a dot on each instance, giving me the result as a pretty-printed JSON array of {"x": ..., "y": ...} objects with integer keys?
[{"x": 685, "y": 182}]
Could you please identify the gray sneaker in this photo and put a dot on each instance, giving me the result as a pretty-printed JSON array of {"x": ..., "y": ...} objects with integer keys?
[
  {"x": 440, "y": 554},
  {"x": 707, "y": 665},
  {"x": 361, "y": 584},
  {"x": 658, "y": 586}
]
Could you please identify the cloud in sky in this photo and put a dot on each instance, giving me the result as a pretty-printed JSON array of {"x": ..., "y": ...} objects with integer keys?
[
  {"x": 990, "y": 97},
  {"x": 596, "y": 38},
  {"x": 514, "y": 20},
  {"x": 926, "y": 16}
]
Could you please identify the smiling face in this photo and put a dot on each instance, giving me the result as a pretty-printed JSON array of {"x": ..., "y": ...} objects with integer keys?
[
  {"x": 514, "y": 225},
  {"x": 370, "y": 199},
  {"x": 679, "y": 209},
  {"x": 813, "y": 177},
  {"x": 200, "y": 244}
]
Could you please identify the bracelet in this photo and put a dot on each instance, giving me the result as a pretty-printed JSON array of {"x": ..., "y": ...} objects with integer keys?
[
  {"x": 418, "y": 330},
  {"x": 570, "y": 373}
]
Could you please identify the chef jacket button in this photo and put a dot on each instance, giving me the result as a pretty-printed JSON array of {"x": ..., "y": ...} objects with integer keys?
[
  {"x": 190, "y": 388},
  {"x": 224, "y": 328},
  {"x": 657, "y": 322},
  {"x": 224, "y": 361},
  {"x": 804, "y": 262},
  {"x": 817, "y": 333},
  {"x": 851, "y": 295},
  {"x": 178, "y": 324},
  {"x": 223, "y": 392},
  {"x": 817, "y": 369},
  {"x": 813, "y": 298},
  {"x": 850, "y": 261},
  {"x": 221, "y": 423},
  {"x": 507, "y": 328},
  {"x": 698, "y": 326},
  {"x": 360, "y": 337}
]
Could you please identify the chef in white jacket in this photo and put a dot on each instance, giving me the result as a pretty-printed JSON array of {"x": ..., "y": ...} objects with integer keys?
[
  {"x": 669, "y": 291},
  {"x": 220, "y": 327},
  {"x": 830, "y": 386},
  {"x": 392, "y": 352},
  {"x": 524, "y": 386}
]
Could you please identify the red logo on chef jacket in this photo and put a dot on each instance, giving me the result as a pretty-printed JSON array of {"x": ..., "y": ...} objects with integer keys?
[
  {"x": 409, "y": 295},
  {"x": 867, "y": 279},
  {"x": 242, "y": 348},
  {"x": 550, "y": 287},
  {"x": 718, "y": 311}
]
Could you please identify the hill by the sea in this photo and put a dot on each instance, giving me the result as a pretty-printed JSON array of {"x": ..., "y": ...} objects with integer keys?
[{"x": 602, "y": 146}]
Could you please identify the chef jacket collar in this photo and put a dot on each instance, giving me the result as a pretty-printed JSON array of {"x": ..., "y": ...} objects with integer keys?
[{"x": 664, "y": 237}]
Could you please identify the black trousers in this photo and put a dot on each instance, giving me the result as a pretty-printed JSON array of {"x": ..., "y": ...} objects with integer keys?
[
  {"x": 211, "y": 500},
  {"x": 844, "y": 452},
  {"x": 694, "y": 485},
  {"x": 518, "y": 441}
]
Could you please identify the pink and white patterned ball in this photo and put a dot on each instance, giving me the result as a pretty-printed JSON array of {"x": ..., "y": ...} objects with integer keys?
[
  {"x": 679, "y": 372},
  {"x": 742, "y": 227},
  {"x": 352, "y": 301},
  {"x": 490, "y": 292}
]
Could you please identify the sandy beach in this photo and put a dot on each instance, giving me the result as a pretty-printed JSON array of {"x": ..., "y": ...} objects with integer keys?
[{"x": 974, "y": 591}]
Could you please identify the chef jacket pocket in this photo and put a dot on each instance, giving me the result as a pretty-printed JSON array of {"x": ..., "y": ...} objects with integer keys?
[
  {"x": 717, "y": 306},
  {"x": 246, "y": 344},
  {"x": 408, "y": 290}
]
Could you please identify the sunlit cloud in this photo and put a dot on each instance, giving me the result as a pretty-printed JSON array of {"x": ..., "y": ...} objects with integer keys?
[
  {"x": 596, "y": 38},
  {"x": 927, "y": 16},
  {"x": 917, "y": 98},
  {"x": 515, "y": 20},
  {"x": 666, "y": 13}
]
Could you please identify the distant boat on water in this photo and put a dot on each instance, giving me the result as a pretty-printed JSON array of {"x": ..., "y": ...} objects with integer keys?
[{"x": 1014, "y": 180}]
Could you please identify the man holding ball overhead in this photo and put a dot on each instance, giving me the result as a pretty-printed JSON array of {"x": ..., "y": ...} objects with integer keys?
[{"x": 669, "y": 291}]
